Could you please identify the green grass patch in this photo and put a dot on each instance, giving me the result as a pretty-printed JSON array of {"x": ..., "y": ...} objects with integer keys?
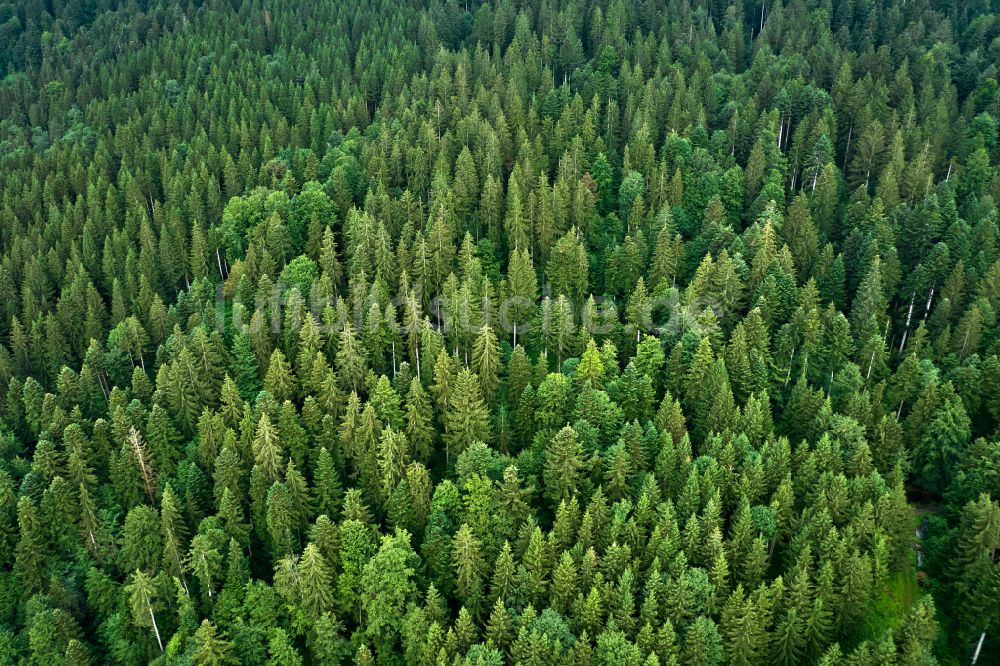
[
  {"x": 892, "y": 602},
  {"x": 897, "y": 594}
]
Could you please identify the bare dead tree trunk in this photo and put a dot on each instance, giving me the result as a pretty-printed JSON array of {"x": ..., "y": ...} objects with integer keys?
[
  {"x": 847, "y": 148},
  {"x": 979, "y": 647},
  {"x": 142, "y": 459},
  {"x": 156, "y": 630},
  {"x": 927, "y": 308},
  {"x": 909, "y": 317}
]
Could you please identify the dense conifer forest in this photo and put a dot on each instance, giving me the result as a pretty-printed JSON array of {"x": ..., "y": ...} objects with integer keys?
[{"x": 644, "y": 333}]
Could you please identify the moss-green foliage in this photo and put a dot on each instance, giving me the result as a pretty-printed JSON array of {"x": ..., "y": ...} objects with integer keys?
[{"x": 440, "y": 332}]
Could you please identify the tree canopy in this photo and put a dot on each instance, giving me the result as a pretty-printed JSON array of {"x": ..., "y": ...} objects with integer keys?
[{"x": 565, "y": 332}]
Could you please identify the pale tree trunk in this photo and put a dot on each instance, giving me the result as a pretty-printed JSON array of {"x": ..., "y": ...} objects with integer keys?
[
  {"x": 218, "y": 260},
  {"x": 156, "y": 630},
  {"x": 927, "y": 308},
  {"x": 979, "y": 647},
  {"x": 847, "y": 148},
  {"x": 909, "y": 318}
]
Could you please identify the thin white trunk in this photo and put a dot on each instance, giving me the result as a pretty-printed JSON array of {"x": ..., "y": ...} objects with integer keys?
[
  {"x": 909, "y": 318},
  {"x": 979, "y": 647},
  {"x": 927, "y": 308},
  {"x": 847, "y": 148},
  {"x": 156, "y": 630},
  {"x": 871, "y": 363}
]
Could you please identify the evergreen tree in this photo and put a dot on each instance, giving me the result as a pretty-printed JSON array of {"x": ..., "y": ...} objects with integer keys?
[
  {"x": 143, "y": 602},
  {"x": 279, "y": 380},
  {"x": 241, "y": 299},
  {"x": 211, "y": 648},
  {"x": 468, "y": 567},
  {"x": 486, "y": 362},
  {"x": 387, "y": 585},
  {"x": 315, "y": 582},
  {"x": 563, "y": 464},
  {"x": 467, "y": 419},
  {"x": 351, "y": 361}
]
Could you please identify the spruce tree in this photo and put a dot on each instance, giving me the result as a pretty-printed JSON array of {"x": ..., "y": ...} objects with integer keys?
[
  {"x": 486, "y": 362},
  {"x": 143, "y": 602},
  {"x": 315, "y": 582},
  {"x": 563, "y": 464},
  {"x": 467, "y": 419}
]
